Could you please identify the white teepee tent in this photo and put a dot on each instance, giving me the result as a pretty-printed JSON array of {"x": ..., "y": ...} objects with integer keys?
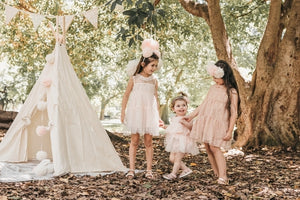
[{"x": 58, "y": 118}]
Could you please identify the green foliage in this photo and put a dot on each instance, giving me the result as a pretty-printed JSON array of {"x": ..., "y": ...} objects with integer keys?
[
  {"x": 99, "y": 56},
  {"x": 245, "y": 23}
]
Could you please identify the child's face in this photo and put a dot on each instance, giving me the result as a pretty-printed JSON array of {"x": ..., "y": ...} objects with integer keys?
[
  {"x": 150, "y": 68},
  {"x": 219, "y": 81},
  {"x": 180, "y": 108}
]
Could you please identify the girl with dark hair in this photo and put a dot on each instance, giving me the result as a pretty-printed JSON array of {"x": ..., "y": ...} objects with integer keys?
[
  {"x": 140, "y": 106},
  {"x": 216, "y": 117}
]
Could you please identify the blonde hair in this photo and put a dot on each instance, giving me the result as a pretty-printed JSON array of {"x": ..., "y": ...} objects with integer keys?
[{"x": 181, "y": 96}]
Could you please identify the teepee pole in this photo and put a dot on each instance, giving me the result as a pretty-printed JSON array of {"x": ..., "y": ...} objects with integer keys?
[
  {"x": 57, "y": 33},
  {"x": 64, "y": 30}
]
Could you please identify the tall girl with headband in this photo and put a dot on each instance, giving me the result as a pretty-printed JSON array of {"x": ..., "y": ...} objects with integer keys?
[
  {"x": 140, "y": 105},
  {"x": 216, "y": 117},
  {"x": 178, "y": 141}
]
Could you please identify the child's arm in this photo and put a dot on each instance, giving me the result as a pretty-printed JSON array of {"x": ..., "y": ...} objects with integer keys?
[
  {"x": 157, "y": 100},
  {"x": 187, "y": 124},
  {"x": 125, "y": 98},
  {"x": 233, "y": 116},
  {"x": 192, "y": 115}
]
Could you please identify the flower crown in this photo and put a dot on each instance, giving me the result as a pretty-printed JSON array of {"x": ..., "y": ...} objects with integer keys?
[
  {"x": 149, "y": 47},
  {"x": 214, "y": 70}
]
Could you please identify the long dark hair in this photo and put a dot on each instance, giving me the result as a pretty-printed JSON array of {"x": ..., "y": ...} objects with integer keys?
[
  {"x": 229, "y": 82},
  {"x": 139, "y": 68}
]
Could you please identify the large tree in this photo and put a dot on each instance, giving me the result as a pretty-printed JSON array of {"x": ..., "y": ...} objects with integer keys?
[{"x": 270, "y": 102}]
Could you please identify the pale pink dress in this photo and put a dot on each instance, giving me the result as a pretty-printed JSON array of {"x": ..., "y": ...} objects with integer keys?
[
  {"x": 178, "y": 138},
  {"x": 212, "y": 122},
  {"x": 141, "y": 113}
]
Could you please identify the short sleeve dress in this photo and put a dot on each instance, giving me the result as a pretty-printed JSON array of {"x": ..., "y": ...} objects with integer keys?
[
  {"x": 178, "y": 138},
  {"x": 141, "y": 115},
  {"x": 211, "y": 123}
]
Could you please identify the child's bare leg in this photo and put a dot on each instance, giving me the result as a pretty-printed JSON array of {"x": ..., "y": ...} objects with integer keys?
[
  {"x": 220, "y": 160},
  {"x": 172, "y": 157},
  {"x": 211, "y": 159},
  {"x": 177, "y": 162},
  {"x": 149, "y": 150},
  {"x": 134, "y": 143}
]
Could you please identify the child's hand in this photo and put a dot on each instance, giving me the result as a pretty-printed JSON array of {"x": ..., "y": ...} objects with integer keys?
[
  {"x": 187, "y": 124},
  {"x": 227, "y": 136},
  {"x": 122, "y": 117},
  {"x": 186, "y": 118},
  {"x": 161, "y": 124}
]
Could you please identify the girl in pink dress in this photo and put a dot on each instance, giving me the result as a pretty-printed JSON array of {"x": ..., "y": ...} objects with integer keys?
[
  {"x": 140, "y": 107},
  {"x": 216, "y": 117},
  {"x": 178, "y": 141}
]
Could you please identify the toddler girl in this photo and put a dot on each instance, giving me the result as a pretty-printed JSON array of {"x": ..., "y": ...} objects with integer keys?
[
  {"x": 178, "y": 141},
  {"x": 216, "y": 117}
]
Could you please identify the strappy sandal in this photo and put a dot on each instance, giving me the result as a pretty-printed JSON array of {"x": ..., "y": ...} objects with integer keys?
[
  {"x": 222, "y": 181},
  {"x": 149, "y": 174},
  {"x": 130, "y": 174},
  {"x": 185, "y": 172},
  {"x": 169, "y": 176}
]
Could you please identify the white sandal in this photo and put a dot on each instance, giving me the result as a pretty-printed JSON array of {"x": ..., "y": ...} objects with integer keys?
[
  {"x": 185, "y": 172},
  {"x": 130, "y": 174},
  {"x": 169, "y": 176},
  {"x": 222, "y": 181}
]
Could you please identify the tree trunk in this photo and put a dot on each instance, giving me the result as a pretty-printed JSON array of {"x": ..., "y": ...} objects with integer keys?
[
  {"x": 274, "y": 101},
  {"x": 6, "y": 118},
  {"x": 103, "y": 106},
  {"x": 270, "y": 105}
]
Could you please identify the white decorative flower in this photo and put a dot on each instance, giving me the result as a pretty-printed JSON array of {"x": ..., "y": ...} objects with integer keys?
[
  {"x": 131, "y": 66},
  {"x": 147, "y": 52},
  {"x": 214, "y": 70}
]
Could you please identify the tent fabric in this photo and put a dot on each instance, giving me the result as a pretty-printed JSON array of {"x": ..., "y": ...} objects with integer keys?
[{"x": 77, "y": 142}]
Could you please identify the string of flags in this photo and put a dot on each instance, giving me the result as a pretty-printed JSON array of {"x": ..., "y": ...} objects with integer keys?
[{"x": 90, "y": 15}]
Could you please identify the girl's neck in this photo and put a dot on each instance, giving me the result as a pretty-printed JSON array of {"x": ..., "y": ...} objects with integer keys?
[{"x": 145, "y": 74}]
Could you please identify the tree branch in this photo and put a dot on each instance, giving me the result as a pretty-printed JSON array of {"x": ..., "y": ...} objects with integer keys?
[{"x": 196, "y": 9}]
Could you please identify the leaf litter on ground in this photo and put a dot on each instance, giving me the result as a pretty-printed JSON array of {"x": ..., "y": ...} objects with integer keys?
[{"x": 261, "y": 174}]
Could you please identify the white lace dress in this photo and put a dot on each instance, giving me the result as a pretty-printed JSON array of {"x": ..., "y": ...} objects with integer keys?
[{"x": 141, "y": 115}]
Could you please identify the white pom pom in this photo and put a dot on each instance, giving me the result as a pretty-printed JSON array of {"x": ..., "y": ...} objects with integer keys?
[
  {"x": 47, "y": 82},
  {"x": 41, "y": 155},
  {"x": 43, "y": 168},
  {"x": 42, "y": 130},
  {"x": 26, "y": 121},
  {"x": 42, "y": 105},
  {"x": 132, "y": 66},
  {"x": 147, "y": 52},
  {"x": 50, "y": 58}
]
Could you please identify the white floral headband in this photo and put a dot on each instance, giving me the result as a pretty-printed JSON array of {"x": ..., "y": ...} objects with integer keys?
[
  {"x": 214, "y": 70},
  {"x": 149, "y": 46}
]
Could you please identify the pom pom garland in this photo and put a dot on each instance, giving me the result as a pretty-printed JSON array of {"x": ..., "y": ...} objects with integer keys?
[
  {"x": 41, "y": 155},
  {"x": 47, "y": 82},
  {"x": 42, "y": 130},
  {"x": 26, "y": 120}
]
